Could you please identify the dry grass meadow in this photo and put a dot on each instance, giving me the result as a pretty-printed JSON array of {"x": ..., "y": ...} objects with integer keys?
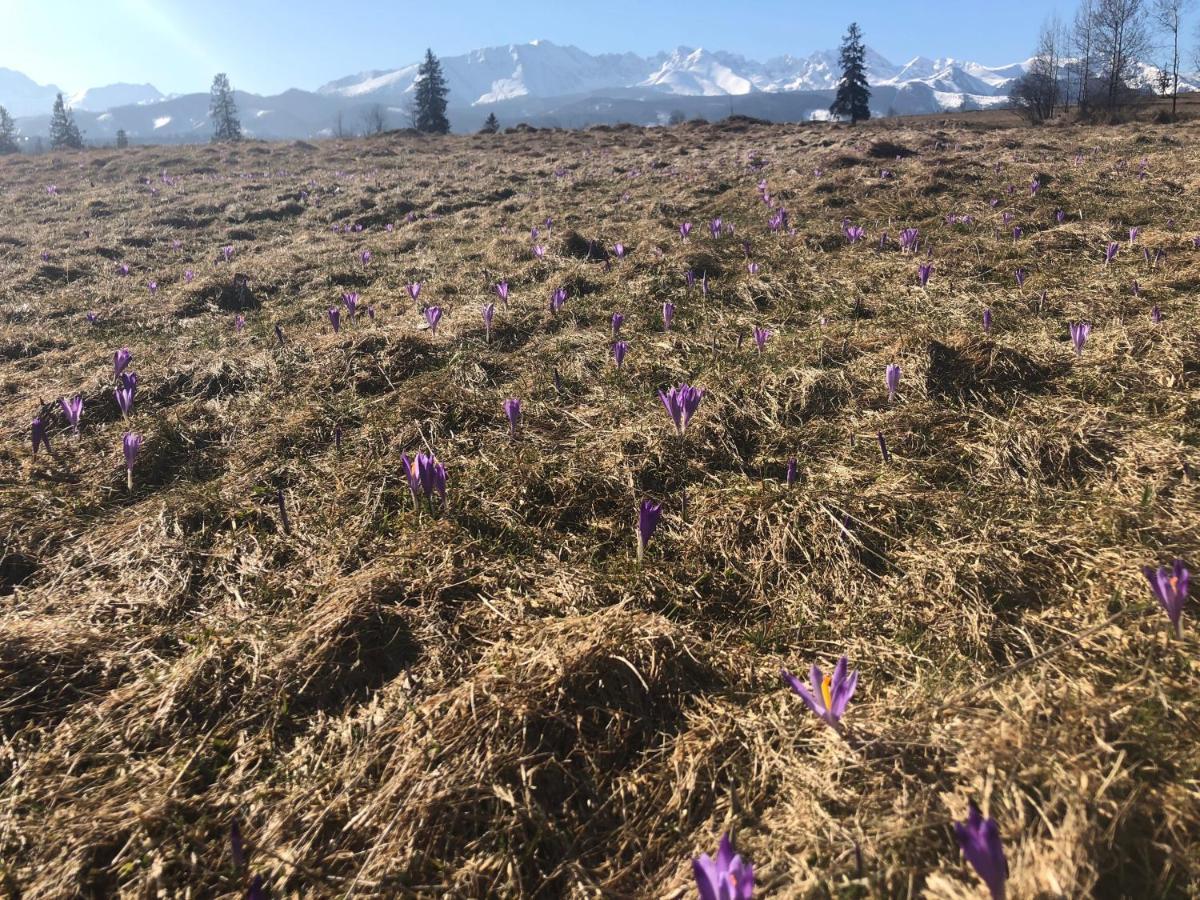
[{"x": 495, "y": 700}]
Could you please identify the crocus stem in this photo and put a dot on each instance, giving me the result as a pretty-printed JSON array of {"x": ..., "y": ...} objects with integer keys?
[
  {"x": 129, "y": 479},
  {"x": 641, "y": 548}
]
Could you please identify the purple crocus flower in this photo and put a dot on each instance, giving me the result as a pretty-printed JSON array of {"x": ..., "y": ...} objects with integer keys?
[
  {"x": 40, "y": 437},
  {"x": 668, "y": 315},
  {"x": 489, "y": 312},
  {"x": 426, "y": 477},
  {"x": 433, "y": 315},
  {"x": 924, "y": 271},
  {"x": 892, "y": 378},
  {"x": 761, "y": 336},
  {"x": 619, "y": 250},
  {"x": 121, "y": 359},
  {"x": 704, "y": 283},
  {"x": 539, "y": 251},
  {"x": 791, "y": 471},
  {"x": 1059, "y": 216},
  {"x": 649, "y": 514},
  {"x": 335, "y": 319},
  {"x": 123, "y": 269},
  {"x": 351, "y": 301},
  {"x": 153, "y": 287},
  {"x": 239, "y": 322},
  {"x": 1156, "y": 315},
  {"x": 130, "y": 444},
  {"x": 227, "y": 252},
  {"x": 617, "y": 321},
  {"x": 714, "y": 228},
  {"x": 1020, "y": 275},
  {"x": 72, "y": 409},
  {"x": 414, "y": 290},
  {"x": 1170, "y": 589},
  {"x": 979, "y": 840},
  {"x": 1111, "y": 251},
  {"x": 502, "y": 292},
  {"x": 365, "y": 258},
  {"x": 189, "y": 276},
  {"x": 1006, "y": 218},
  {"x": 727, "y": 877},
  {"x": 512, "y": 409},
  {"x": 855, "y": 233},
  {"x": 690, "y": 277},
  {"x": 1017, "y": 232},
  {"x": 908, "y": 240},
  {"x": 681, "y": 404},
  {"x": 124, "y": 395},
  {"x": 93, "y": 318},
  {"x": 987, "y": 321},
  {"x": 685, "y": 229},
  {"x": 830, "y": 694},
  {"x": 1134, "y": 233},
  {"x": 619, "y": 349},
  {"x": 558, "y": 299},
  {"x": 1079, "y": 335}
]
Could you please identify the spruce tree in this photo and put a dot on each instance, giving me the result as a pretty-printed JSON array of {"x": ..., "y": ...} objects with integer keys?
[
  {"x": 122, "y": 139},
  {"x": 8, "y": 132},
  {"x": 223, "y": 111},
  {"x": 491, "y": 125},
  {"x": 431, "y": 94},
  {"x": 64, "y": 133},
  {"x": 852, "y": 92}
]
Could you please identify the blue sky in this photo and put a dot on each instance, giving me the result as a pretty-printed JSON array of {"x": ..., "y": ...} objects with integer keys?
[{"x": 269, "y": 45}]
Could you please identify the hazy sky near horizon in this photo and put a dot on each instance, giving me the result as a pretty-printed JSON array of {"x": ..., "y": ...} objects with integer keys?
[{"x": 267, "y": 46}]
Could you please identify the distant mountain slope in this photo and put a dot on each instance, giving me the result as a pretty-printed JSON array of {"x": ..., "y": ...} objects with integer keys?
[
  {"x": 22, "y": 96},
  {"x": 102, "y": 98},
  {"x": 543, "y": 84}
]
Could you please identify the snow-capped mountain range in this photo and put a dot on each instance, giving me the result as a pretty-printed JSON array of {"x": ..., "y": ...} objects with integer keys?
[
  {"x": 542, "y": 84},
  {"x": 542, "y": 69}
]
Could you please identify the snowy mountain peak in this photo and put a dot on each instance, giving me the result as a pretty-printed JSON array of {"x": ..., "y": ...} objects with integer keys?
[
  {"x": 542, "y": 69},
  {"x": 113, "y": 95}
]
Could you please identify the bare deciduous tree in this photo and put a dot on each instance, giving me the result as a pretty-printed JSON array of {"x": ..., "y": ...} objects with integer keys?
[
  {"x": 1122, "y": 39},
  {"x": 1045, "y": 66},
  {"x": 374, "y": 120},
  {"x": 1168, "y": 15},
  {"x": 1083, "y": 45}
]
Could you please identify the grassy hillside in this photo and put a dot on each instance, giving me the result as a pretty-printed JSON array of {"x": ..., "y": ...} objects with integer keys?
[{"x": 489, "y": 697}]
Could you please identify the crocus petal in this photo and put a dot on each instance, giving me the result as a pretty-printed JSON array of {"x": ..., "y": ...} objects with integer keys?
[
  {"x": 798, "y": 686},
  {"x": 706, "y": 877}
]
